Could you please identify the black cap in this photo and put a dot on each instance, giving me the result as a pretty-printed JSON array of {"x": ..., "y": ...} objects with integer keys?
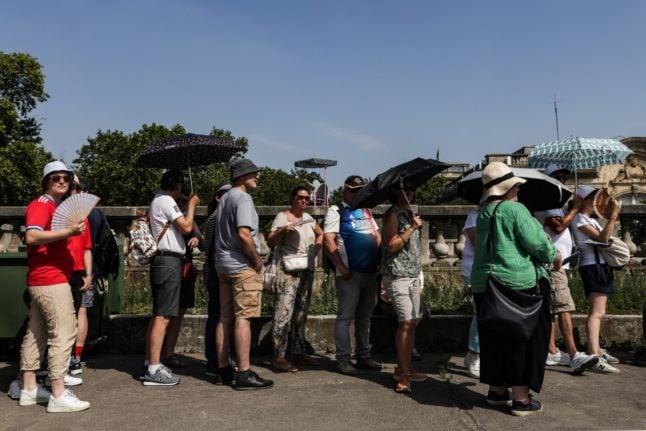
[{"x": 354, "y": 182}]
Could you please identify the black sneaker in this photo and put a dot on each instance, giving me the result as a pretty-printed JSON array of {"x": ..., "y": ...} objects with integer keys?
[
  {"x": 75, "y": 367},
  {"x": 211, "y": 369},
  {"x": 520, "y": 409},
  {"x": 224, "y": 376},
  {"x": 494, "y": 399},
  {"x": 370, "y": 364},
  {"x": 248, "y": 380}
]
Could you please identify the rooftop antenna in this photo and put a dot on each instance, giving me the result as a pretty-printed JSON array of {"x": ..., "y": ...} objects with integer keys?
[{"x": 556, "y": 116}]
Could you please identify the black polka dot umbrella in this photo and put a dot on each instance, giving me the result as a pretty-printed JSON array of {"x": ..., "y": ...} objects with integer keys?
[{"x": 186, "y": 151}]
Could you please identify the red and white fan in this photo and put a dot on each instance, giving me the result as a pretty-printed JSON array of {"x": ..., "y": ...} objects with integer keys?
[{"x": 73, "y": 210}]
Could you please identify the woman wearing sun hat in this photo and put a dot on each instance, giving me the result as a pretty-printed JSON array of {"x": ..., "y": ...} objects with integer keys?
[
  {"x": 519, "y": 241},
  {"x": 596, "y": 276}
]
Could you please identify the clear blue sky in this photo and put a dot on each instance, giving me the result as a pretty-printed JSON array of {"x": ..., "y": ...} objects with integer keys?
[{"x": 371, "y": 83}]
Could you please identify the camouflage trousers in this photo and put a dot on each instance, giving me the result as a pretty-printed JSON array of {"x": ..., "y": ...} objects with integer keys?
[{"x": 293, "y": 295}]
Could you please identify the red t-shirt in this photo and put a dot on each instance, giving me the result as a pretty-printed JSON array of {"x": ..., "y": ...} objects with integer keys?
[
  {"x": 51, "y": 263},
  {"x": 77, "y": 246}
]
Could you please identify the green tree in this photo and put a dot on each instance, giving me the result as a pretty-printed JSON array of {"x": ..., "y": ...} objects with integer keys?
[
  {"x": 22, "y": 87},
  {"x": 274, "y": 187},
  {"x": 108, "y": 160},
  {"x": 21, "y": 165},
  {"x": 431, "y": 191}
]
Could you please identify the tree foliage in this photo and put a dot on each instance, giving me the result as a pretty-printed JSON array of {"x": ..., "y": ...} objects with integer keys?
[
  {"x": 275, "y": 187},
  {"x": 22, "y": 87}
]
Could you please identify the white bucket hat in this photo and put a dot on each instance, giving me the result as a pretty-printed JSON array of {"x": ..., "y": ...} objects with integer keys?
[
  {"x": 498, "y": 179},
  {"x": 55, "y": 166}
]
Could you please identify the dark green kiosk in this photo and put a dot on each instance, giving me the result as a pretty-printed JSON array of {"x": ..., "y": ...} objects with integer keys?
[{"x": 14, "y": 308}]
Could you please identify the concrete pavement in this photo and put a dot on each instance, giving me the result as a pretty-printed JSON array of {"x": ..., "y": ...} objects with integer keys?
[{"x": 321, "y": 399}]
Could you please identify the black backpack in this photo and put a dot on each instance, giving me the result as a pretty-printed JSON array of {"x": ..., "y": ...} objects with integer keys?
[{"x": 106, "y": 251}]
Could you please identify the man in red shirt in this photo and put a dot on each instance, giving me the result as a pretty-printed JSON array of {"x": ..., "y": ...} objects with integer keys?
[{"x": 52, "y": 321}]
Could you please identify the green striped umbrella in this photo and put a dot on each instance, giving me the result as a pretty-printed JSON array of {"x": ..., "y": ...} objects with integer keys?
[{"x": 577, "y": 153}]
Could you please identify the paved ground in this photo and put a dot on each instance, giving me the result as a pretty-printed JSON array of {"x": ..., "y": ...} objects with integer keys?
[{"x": 320, "y": 399}]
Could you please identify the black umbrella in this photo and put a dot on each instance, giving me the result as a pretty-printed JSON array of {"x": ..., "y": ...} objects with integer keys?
[
  {"x": 416, "y": 171},
  {"x": 539, "y": 193},
  {"x": 186, "y": 151}
]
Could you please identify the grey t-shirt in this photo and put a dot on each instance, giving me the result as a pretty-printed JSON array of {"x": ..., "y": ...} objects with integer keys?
[{"x": 235, "y": 210}]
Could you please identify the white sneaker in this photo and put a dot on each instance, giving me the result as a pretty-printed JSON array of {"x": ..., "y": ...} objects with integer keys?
[
  {"x": 608, "y": 357},
  {"x": 472, "y": 364},
  {"x": 37, "y": 395},
  {"x": 582, "y": 362},
  {"x": 67, "y": 402},
  {"x": 604, "y": 367},
  {"x": 68, "y": 380},
  {"x": 558, "y": 358}
]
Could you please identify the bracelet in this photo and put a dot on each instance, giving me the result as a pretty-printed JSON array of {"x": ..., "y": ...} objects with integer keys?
[{"x": 403, "y": 240}]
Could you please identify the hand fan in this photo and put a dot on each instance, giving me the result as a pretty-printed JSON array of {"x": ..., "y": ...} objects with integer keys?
[
  {"x": 603, "y": 203},
  {"x": 73, "y": 210}
]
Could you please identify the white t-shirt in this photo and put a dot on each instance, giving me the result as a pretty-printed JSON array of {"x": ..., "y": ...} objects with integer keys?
[
  {"x": 587, "y": 250},
  {"x": 468, "y": 251},
  {"x": 562, "y": 241},
  {"x": 164, "y": 209}
]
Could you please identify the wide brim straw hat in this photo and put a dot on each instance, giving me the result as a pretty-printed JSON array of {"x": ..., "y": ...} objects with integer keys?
[{"x": 498, "y": 179}]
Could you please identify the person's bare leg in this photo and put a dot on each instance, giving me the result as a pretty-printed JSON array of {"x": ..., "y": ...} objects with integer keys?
[
  {"x": 404, "y": 339},
  {"x": 172, "y": 333},
  {"x": 29, "y": 380},
  {"x": 567, "y": 331},
  {"x": 595, "y": 316},
  {"x": 520, "y": 393},
  {"x": 242, "y": 336},
  {"x": 222, "y": 341},
  {"x": 82, "y": 327},
  {"x": 157, "y": 334},
  {"x": 551, "y": 348}
]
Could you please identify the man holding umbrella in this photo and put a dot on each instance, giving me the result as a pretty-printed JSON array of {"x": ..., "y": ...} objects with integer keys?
[
  {"x": 168, "y": 225},
  {"x": 352, "y": 240},
  {"x": 556, "y": 224}
]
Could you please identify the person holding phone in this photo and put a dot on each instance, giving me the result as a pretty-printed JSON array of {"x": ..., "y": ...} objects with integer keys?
[{"x": 556, "y": 223}]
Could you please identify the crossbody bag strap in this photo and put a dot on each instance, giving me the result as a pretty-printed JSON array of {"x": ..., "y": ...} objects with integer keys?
[{"x": 163, "y": 232}]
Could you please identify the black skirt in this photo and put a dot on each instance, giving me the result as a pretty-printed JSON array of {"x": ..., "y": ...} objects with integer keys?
[{"x": 508, "y": 362}]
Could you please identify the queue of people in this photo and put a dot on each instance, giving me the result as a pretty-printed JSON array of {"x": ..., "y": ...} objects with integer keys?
[{"x": 506, "y": 243}]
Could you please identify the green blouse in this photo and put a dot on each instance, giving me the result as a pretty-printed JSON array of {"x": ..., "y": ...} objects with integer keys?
[{"x": 519, "y": 238}]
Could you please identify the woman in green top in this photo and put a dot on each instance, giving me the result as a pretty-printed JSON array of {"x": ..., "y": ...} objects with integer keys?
[{"x": 519, "y": 242}]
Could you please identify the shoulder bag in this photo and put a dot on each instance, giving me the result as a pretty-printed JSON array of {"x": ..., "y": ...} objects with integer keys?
[
  {"x": 507, "y": 311},
  {"x": 616, "y": 253}
]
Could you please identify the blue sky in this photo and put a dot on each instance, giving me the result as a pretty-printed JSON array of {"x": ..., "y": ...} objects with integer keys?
[{"x": 369, "y": 83}]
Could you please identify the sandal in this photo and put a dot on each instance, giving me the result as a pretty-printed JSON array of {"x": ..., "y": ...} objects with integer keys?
[
  {"x": 402, "y": 388},
  {"x": 174, "y": 362},
  {"x": 413, "y": 376},
  {"x": 282, "y": 365},
  {"x": 307, "y": 360}
]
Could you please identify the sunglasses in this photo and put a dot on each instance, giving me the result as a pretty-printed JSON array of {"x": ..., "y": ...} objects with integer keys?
[
  {"x": 57, "y": 178},
  {"x": 302, "y": 198}
]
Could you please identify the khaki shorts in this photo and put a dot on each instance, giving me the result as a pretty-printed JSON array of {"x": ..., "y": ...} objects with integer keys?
[
  {"x": 560, "y": 296},
  {"x": 240, "y": 294}
]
